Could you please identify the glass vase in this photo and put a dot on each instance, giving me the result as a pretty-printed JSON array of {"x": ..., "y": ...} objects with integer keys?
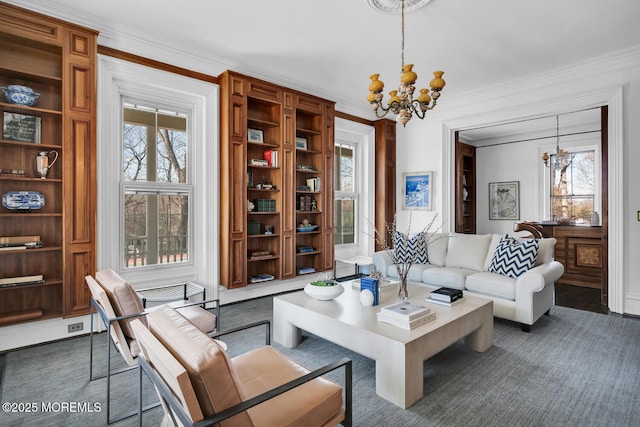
[{"x": 403, "y": 290}]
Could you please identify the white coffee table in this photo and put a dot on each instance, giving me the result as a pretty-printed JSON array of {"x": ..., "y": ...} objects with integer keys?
[{"x": 399, "y": 354}]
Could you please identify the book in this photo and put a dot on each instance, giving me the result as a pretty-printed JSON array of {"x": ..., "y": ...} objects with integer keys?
[
  {"x": 305, "y": 249},
  {"x": 25, "y": 245},
  {"x": 445, "y": 303},
  {"x": 372, "y": 285},
  {"x": 406, "y": 324},
  {"x": 258, "y": 162},
  {"x": 260, "y": 278},
  {"x": 446, "y": 294},
  {"x": 18, "y": 239},
  {"x": 306, "y": 270},
  {"x": 405, "y": 310},
  {"x": 12, "y": 248},
  {"x": 37, "y": 278}
]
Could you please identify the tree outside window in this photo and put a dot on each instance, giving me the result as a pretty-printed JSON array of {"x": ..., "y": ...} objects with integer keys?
[
  {"x": 155, "y": 194},
  {"x": 573, "y": 187}
]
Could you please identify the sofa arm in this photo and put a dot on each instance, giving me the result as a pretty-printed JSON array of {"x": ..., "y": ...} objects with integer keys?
[
  {"x": 382, "y": 261},
  {"x": 538, "y": 277}
]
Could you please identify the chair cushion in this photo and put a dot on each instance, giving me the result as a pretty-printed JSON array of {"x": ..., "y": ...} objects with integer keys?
[
  {"x": 208, "y": 365},
  {"x": 513, "y": 258},
  {"x": 315, "y": 403},
  {"x": 123, "y": 298},
  {"x": 410, "y": 247},
  {"x": 201, "y": 318},
  {"x": 467, "y": 251}
]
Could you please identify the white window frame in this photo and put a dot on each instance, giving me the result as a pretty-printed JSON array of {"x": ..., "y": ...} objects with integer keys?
[
  {"x": 362, "y": 138},
  {"x": 120, "y": 80},
  {"x": 571, "y": 144}
]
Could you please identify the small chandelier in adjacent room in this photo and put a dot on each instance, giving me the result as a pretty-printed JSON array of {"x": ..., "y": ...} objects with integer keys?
[
  {"x": 560, "y": 153},
  {"x": 401, "y": 101}
]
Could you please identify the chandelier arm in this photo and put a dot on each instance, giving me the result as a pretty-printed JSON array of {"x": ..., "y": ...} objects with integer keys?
[{"x": 402, "y": 38}]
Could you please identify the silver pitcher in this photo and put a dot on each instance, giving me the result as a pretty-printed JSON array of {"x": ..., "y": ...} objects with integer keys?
[{"x": 43, "y": 163}]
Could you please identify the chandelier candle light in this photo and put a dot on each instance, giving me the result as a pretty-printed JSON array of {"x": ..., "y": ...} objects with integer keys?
[{"x": 401, "y": 101}]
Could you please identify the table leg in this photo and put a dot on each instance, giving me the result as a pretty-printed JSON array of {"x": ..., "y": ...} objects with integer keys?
[
  {"x": 399, "y": 376},
  {"x": 284, "y": 332},
  {"x": 482, "y": 338}
]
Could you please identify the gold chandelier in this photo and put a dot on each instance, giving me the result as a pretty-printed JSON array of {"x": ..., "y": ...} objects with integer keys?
[
  {"x": 560, "y": 153},
  {"x": 401, "y": 101}
]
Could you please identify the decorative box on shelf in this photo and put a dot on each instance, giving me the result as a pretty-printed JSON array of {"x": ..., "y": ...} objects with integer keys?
[{"x": 253, "y": 228}]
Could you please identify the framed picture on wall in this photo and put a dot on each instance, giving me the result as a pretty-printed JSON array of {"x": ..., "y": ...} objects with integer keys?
[
  {"x": 504, "y": 200},
  {"x": 417, "y": 190}
]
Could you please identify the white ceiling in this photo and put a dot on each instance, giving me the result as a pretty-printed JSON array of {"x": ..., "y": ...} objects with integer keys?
[{"x": 330, "y": 47}]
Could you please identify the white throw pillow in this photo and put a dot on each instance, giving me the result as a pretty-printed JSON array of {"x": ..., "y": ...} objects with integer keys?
[{"x": 467, "y": 251}]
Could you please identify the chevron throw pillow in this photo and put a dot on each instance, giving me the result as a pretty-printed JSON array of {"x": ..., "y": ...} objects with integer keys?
[
  {"x": 407, "y": 247},
  {"x": 513, "y": 258}
]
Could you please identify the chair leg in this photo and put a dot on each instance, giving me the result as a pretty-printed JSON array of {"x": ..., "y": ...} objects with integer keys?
[{"x": 525, "y": 327}]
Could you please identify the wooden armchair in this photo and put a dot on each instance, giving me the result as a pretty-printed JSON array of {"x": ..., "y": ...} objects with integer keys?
[
  {"x": 200, "y": 385},
  {"x": 117, "y": 304}
]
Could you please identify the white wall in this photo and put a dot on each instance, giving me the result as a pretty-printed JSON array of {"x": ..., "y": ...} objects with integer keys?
[{"x": 613, "y": 80}]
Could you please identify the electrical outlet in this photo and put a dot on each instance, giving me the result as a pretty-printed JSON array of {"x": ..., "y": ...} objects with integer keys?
[{"x": 75, "y": 327}]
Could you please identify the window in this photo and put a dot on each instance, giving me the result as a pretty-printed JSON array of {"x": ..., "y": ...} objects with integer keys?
[
  {"x": 157, "y": 175},
  {"x": 573, "y": 186},
  {"x": 156, "y": 215},
  {"x": 353, "y": 189},
  {"x": 346, "y": 196}
]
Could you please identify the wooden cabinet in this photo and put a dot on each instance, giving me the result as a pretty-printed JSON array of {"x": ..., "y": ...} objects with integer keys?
[
  {"x": 276, "y": 174},
  {"x": 465, "y": 188},
  {"x": 56, "y": 60}
]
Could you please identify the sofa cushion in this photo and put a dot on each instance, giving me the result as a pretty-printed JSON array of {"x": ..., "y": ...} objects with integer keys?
[
  {"x": 495, "y": 240},
  {"x": 492, "y": 284},
  {"x": 415, "y": 272},
  {"x": 446, "y": 276},
  {"x": 316, "y": 403},
  {"x": 467, "y": 251},
  {"x": 209, "y": 367},
  {"x": 513, "y": 258},
  {"x": 545, "y": 251},
  {"x": 437, "y": 248},
  {"x": 410, "y": 248}
]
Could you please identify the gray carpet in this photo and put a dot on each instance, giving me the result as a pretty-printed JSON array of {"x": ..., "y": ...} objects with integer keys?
[{"x": 575, "y": 368}]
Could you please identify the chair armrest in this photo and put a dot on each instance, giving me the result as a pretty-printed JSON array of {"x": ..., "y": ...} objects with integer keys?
[
  {"x": 170, "y": 399},
  {"x": 267, "y": 323}
]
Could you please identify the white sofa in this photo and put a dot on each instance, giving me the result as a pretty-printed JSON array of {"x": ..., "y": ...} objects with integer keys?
[{"x": 462, "y": 261}]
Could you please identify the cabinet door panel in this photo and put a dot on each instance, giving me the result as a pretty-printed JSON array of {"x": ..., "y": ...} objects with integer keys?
[{"x": 78, "y": 264}]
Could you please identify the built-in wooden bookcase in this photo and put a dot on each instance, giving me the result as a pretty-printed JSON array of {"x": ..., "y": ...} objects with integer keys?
[
  {"x": 56, "y": 60},
  {"x": 263, "y": 205},
  {"x": 465, "y": 188}
]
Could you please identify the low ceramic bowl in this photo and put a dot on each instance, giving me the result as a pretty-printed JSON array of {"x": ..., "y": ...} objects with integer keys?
[
  {"x": 324, "y": 293},
  {"x": 20, "y": 95}
]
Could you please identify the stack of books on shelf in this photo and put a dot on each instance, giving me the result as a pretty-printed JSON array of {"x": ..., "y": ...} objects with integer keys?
[
  {"x": 306, "y": 270},
  {"x": 313, "y": 184},
  {"x": 13, "y": 243},
  {"x": 258, "y": 162},
  {"x": 21, "y": 280},
  {"x": 406, "y": 315},
  {"x": 259, "y": 254},
  {"x": 271, "y": 156},
  {"x": 446, "y": 296}
]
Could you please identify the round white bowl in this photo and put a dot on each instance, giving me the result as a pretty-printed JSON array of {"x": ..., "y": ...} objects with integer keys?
[{"x": 324, "y": 293}]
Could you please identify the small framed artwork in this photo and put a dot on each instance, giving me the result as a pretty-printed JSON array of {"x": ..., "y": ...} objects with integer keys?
[
  {"x": 20, "y": 127},
  {"x": 255, "y": 135},
  {"x": 504, "y": 200},
  {"x": 301, "y": 143},
  {"x": 417, "y": 190}
]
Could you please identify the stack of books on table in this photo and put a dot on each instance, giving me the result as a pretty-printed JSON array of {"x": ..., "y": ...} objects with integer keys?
[
  {"x": 446, "y": 296},
  {"x": 406, "y": 315}
]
